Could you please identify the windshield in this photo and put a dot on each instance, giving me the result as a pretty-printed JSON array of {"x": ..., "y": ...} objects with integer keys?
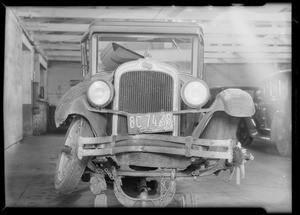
[{"x": 175, "y": 50}]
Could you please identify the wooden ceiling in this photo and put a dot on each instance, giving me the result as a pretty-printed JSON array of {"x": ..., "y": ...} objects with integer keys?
[{"x": 231, "y": 34}]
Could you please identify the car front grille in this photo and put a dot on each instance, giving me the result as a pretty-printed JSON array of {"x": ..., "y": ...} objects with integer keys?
[{"x": 144, "y": 92}]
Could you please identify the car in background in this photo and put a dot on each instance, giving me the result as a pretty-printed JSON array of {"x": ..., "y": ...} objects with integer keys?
[{"x": 272, "y": 118}]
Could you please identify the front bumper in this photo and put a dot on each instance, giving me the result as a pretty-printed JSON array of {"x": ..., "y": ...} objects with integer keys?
[{"x": 154, "y": 143}]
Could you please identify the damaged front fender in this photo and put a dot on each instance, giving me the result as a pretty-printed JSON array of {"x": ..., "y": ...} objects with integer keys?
[
  {"x": 235, "y": 102},
  {"x": 74, "y": 102}
]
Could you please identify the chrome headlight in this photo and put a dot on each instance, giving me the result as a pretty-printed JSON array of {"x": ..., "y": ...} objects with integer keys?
[
  {"x": 100, "y": 93},
  {"x": 195, "y": 93}
]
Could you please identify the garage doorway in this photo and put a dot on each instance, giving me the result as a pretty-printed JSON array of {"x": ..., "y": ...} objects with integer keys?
[{"x": 40, "y": 109}]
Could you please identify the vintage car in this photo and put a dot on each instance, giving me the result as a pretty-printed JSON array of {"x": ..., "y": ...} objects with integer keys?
[
  {"x": 139, "y": 119},
  {"x": 272, "y": 119}
]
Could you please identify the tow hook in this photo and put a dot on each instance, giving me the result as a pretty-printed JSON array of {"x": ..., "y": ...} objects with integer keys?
[{"x": 240, "y": 157}]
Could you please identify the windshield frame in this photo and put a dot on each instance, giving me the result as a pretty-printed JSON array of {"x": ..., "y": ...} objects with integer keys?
[{"x": 196, "y": 52}]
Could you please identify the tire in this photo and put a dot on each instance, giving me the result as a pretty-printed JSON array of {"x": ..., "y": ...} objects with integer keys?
[
  {"x": 243, "y": 134},
  {"x": 69, "y": 168},
  {"x": 220, "y": 127},
  {"x": 281, "y": 135}
]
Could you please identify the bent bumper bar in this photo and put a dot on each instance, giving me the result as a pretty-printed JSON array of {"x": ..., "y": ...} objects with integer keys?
[{"x": 154, "y": 143}]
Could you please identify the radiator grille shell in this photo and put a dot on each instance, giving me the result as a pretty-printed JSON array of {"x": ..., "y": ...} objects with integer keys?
[{"x": 144, "y": 92}]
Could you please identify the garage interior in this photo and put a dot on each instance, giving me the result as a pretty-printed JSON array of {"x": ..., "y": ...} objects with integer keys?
[{"x": 242, "y": 45}]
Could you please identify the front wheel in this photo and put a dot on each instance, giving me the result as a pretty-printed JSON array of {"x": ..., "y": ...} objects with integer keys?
[
  {"x": 220, "y": 127},
  {"x": 69, "y": 168}
]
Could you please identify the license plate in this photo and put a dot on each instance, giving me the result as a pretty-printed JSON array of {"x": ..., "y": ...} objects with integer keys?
[{"x": 150, "y": 123}]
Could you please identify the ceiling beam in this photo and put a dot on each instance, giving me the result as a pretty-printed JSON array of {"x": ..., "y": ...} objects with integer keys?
[
  {"x": 166, "y": 55},
  {"x": 43, "y": 61},
  {"x": 247, "y": 49},
  {"x": 206, "y": 60},
  {"x": 208, "y": 39},
  {"x": 48, "y": 27},
  {"x": 63, "y": 58},
  {"x": 63, "y": 53},
  {"x": 67, "y": 27},
  {"x": 257, "y": 55},
  {"x": 90, "y": 13},
  {"x": 219, "y": 48},
  {"x": 26, "y": 42},
  {"x": 159, "y": 13},
  {"x": 57, "y": 46},
  {"x": 57, "y": 38},
  {"x": 244, "y": 40},
  {"x": 240, "y": 60},
  {"x": 247, "y": 30}
]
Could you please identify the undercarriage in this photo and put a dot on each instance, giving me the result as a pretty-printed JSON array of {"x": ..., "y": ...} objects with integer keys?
[{"x": 154, "y": 183}]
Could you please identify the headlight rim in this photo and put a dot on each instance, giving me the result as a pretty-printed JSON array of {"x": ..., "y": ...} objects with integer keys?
[
  {"x": 189, "y": 104},
  {"x": 111, "y": 88}
]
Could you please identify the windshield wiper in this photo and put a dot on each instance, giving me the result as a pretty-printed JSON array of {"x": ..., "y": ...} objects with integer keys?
[{"x": 177, "y": 46}]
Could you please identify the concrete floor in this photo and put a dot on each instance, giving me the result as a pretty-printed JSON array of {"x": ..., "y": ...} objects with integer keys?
[{"x": 30, "y": 166}]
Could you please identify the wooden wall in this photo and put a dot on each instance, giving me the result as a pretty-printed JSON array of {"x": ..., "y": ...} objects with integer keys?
[{"x": 13, "y": 118}]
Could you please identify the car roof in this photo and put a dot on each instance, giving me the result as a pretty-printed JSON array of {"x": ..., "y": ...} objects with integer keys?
[{"x": 144, "y": 26}]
